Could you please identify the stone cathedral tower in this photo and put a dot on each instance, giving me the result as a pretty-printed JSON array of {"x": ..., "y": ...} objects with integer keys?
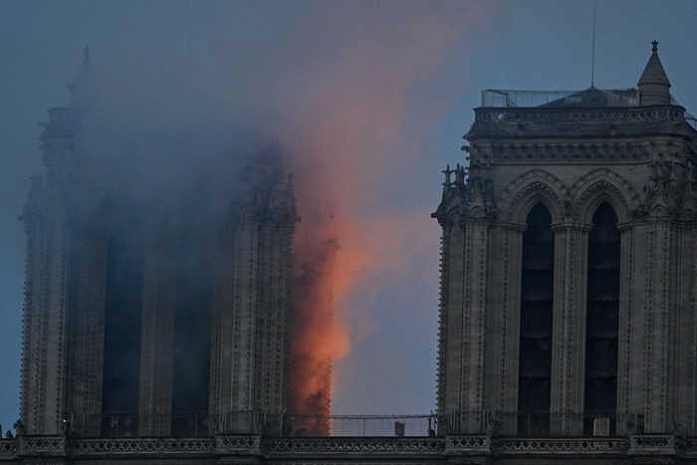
[
  {"x": 569, "y": 269},
  {"x": 150, "y": 319},
  {"x": 568, "y": 319}
]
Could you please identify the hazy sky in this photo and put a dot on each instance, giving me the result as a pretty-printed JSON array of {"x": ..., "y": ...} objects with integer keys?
[{"x": 390, "y": 87}]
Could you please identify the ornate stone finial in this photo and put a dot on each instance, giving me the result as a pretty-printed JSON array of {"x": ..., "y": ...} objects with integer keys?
[
  {"x": 448, "y": 172},
  {"x": 459, "y": 175},
  {"x": 19, "y": 427},
  {"x": 654, "y": 48}
]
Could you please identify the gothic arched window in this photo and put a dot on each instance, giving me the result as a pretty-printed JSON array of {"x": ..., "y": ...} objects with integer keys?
[
  {"x": 535, "y": 363},
  {"x": 602, "y": 323}
]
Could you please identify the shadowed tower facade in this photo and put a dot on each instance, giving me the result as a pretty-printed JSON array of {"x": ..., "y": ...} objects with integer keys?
[
  {"x": 157, "y": 317},
  {"x": 568, "y": 266}
]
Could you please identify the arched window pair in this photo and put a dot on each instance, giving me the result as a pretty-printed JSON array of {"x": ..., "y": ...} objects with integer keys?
[{"x": 602, "y": 313}]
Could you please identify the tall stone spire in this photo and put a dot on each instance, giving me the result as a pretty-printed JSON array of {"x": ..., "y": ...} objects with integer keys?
[
  {"x": 654, "y": 86},
  {"x": 82, "y": 89}
]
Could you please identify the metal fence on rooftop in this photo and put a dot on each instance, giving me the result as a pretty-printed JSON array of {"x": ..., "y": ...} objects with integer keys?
[
  {"x": 525, "y": 424},
  {"x": 521, "y": 98}
]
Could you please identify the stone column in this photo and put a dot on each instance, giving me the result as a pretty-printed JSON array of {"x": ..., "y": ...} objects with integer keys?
[
  {"x": 503, "y": 324},
  {"x": 244, "y": 326},
  {"x": 569, "y": 328},
  {"x": 662, "y": 283},
  {"x": 86, "y": 331},
  {"x": 272, "y": 317},
  {"x": 629, "y": 337},
  {"x": 685, "y": 378},
  {"x": 235, "y": 328},
  {"x": 46, "y": 291},
  {"x": 451, "y": 319},
  {"x": 157, "y": 340},
  {"x": 473, "y": 333},
  {"x": 655, "y": 379}
]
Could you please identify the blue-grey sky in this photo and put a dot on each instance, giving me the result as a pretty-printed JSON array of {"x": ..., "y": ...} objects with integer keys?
[{"x": 392, "y": 82}]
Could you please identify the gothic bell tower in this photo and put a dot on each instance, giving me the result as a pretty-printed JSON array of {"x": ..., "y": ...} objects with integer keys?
[
  {"x": 152, "y": 315},
  {"x": 568, "y": 266}
]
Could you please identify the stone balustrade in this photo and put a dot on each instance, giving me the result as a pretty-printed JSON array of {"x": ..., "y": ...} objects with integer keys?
[{"x": 25, "y": 448}]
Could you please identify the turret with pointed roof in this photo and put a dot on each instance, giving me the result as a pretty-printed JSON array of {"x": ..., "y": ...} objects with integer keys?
[{"x": 654, "y": 86}]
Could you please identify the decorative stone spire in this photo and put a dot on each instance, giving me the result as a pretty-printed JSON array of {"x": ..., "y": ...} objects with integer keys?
[
  {"x": 654, "y": 86},
  {"x": 82, "y": 90},
  {"x": 447, "y": 172}
]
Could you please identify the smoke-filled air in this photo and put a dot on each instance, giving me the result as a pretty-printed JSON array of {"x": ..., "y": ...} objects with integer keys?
[
  {"x": 326, "y": 100},
  {"x": 362, "y": 102},
  {"x": 338, "y": 128}
]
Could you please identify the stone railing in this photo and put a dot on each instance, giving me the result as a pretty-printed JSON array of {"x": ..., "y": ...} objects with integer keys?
[
  {"x": 8, "y": 448},
  {"x": 142, "y": 446},
  {"x": 41, "y": 445},
  {"x": 238, "y": 445},
  {"x": 562, "y": 446},
  {"x": 652, "y": 444},
  {"x": 560, "y": 115},
  {"x": 325, "y": 447},
  {"x": 355, "y": 445},
  {"x": 688, "y": 446},
  {"x": 467, "y": 445}
]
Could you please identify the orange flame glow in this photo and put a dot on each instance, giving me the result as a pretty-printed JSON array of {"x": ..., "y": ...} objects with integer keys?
[{"x": 353, "y": 143}]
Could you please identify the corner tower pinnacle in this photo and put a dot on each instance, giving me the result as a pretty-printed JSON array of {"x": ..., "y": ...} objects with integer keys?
[{"x": 653, "y": 84}]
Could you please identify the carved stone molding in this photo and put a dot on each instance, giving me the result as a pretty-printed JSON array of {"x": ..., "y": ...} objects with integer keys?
[
  {"x": 354, "y": 445},
  {"x": 467, "y": 445},
  {"x": 238, "y": 444},
  {"x": 479, "y": 199},
  {"x": 8, "y": 448},
  {"x": 565, "y": 153},
  {"x": 668, "y": 188},
  {"x": 533, "y": 185},
  {"x": 472, "y": 200},
  {"x": 300, "y": 450},
  {"x": 567, "y": 446},
  {"x": 142, "y": 446},
  {"x": 544, "y": 115},
  {"x": 43, "y": 461},
  {"x": 688, "y": 446},
  {"x": 442, "y": 317},
  {"x": 41, "y": 445},
  {"x": 652, "y": 444},
  {"x": 355, "y": 462},
  {"x": 608, "y": 185}
]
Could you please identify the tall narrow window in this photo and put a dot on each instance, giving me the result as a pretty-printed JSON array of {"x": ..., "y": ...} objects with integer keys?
[
  {"x": 122, "y": 331},
  {"x": 192, "y": 333},
  {"x": 535, "y": 364},
  {"x": 602, "y": 322}
]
